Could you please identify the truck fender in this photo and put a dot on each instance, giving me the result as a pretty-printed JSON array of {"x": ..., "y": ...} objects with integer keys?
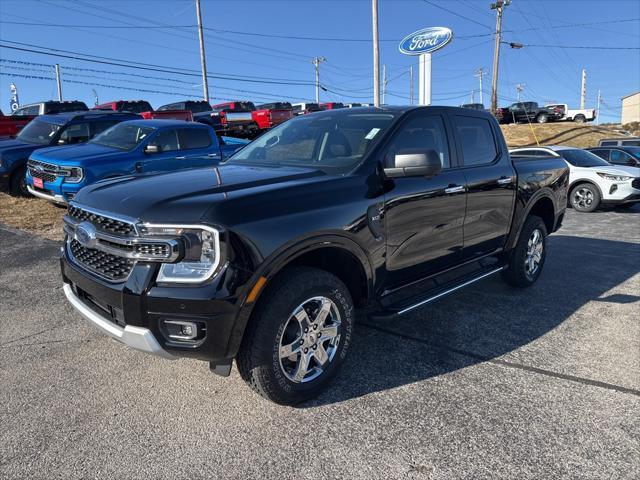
[{"x": 521, "y": 217}]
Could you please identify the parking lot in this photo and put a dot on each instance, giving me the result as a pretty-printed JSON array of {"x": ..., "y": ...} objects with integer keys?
[{"x": 491, "y": 382}]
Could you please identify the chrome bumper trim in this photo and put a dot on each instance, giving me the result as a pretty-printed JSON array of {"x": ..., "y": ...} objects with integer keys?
[
  {"x": 52, "y": 198},
  {"x": 135, "y": 337}
]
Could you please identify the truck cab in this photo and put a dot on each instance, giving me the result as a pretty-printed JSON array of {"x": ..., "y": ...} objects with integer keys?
[
  {"x": 68, "y": 128},
  {"x": 51, "y": 106},
  {"x": 129, "y": 148}
]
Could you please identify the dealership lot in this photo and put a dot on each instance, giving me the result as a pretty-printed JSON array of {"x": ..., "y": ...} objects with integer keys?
[{"x": 489, "y": 382}]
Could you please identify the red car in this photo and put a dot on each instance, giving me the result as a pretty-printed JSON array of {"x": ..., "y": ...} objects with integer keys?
[
  {"x": 145, "y": 110},
  {"x": 10, "y": 126},
  {"x": 331, "y": 105}
]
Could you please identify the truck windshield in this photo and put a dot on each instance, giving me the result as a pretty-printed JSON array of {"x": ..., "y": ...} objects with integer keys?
[
  {"x": 38, "y": 131},
  {"x": 333, "y": 142},
  {"x": 123, "y": 136},
  {"x": 582, "y": 158}
]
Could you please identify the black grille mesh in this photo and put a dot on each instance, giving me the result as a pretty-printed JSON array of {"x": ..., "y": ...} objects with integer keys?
[
  {"x": 106, "y": 224},
  {"x": 104, "y": 264},
  {"x": 636, "y": 183}
]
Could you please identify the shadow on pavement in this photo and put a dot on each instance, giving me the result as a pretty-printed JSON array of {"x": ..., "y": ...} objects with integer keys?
[{"x": 484, "y": 321}]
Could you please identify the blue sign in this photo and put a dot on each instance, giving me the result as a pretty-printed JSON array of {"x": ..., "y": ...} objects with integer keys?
[{"x": 426, "y": 40}]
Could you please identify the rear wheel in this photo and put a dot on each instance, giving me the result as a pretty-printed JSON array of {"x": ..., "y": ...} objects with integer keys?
[
  {"x": 298, "y": 336},
  {"x": 584, "y": 198},
  {"x": 529, "y": 254},
  {"x": 18, "y": 186},
  {"x": 579, "y": 119}
]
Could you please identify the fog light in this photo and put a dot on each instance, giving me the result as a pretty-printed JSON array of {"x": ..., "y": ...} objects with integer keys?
[
  {"x": 613, "y": 189},
  {"x": 181, "y": 330}
]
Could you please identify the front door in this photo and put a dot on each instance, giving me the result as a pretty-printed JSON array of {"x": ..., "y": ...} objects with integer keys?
[
  {"x": 423, "y": 216},
  {"x": 168, "y": 143}
]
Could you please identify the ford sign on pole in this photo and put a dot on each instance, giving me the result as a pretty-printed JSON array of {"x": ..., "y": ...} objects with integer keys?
[{"x": 422, "y": 43}]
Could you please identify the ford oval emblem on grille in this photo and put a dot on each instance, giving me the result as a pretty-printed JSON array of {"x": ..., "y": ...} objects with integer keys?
[
  {"x": 38, "y": 168},
  {"x": 86, "y": 235}
]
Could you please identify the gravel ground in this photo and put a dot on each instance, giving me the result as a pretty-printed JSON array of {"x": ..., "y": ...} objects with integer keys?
[{"x": 491, "y": 382}]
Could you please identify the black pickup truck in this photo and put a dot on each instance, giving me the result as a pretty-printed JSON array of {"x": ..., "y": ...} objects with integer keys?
[
  {"x": 265, "y": 258},
  {"x": 528, "y": 112}
]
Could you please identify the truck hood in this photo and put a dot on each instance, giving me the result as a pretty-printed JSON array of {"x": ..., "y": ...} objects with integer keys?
[
  {"x": 183, "y": 196},
  {"x": 81, "y": 154},
  {"x": 17, "y": 148}
]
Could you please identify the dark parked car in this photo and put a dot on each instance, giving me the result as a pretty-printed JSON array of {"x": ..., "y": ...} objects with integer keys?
[
  {"x": 628, "y": 156},
  {"x": 46, "y": 131},
  {"x": 264, "y": 259}
]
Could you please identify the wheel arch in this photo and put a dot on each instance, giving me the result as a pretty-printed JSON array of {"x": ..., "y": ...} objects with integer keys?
[
  {"x": 580, "y": 181},
  {"x": 542, "y": 204}
]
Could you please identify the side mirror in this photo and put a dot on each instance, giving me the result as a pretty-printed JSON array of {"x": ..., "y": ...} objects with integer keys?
[
  {"x": 61, "y": 141},
  {"x": 152, "y": 149},
  {"x": 414, "y": 163}
]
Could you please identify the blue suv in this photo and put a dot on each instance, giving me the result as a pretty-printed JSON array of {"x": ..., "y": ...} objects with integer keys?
[
  {"x": 137, "y": 146},
  {"x": 68, "y": 128}
]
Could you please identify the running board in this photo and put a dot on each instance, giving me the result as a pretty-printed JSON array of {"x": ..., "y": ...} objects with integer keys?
[{"x": 407, "y": 306}]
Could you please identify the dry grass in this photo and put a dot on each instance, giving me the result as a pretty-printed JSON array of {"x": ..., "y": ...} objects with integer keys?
[
  {"x": 44, "y": 219},
  {"x": 570, "y": 134},
  {"x": 32, "y": 215}
]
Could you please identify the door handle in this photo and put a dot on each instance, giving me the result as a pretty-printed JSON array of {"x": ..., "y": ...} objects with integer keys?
[
  {"x": 181, "y": 158},
  {"x": 505, "y": 180},
  {"x": 213, "y": 155},
  {"x": 454, "y": 189}
]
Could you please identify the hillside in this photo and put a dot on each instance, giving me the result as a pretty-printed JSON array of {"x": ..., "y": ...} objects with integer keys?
[{"x": 567, "y": 133}]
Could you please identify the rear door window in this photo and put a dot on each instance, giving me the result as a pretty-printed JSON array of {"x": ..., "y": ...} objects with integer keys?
[
  {"x": 422, "y": 132},
  {"x": 631, "y": 143},
  {"x": 191, "y": 138},
  {"x": 477, "y": 140},
  {"x": 608, "y": 143}
]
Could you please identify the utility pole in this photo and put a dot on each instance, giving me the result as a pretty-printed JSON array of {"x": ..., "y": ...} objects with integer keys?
[
  {"x": 203, "y": 60},
  {"x": 411, "y": 85},
  {"x": 480, "y": 73},
  {"x": 376, "y": 54},
  {"x": 316, "y": 63},
  {"x": 59, "y": 81},
  {"x": 384, "y": 84},
  {"x": 498, "y": 6},
  {"x": 598, "y": 109},
  {"x": 520, "y": 88},
  {"x": 473, "y": 96},
  {"x": 583, "y": 89}
]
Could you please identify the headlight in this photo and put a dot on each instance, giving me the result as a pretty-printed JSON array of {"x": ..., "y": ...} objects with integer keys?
[
  {"x": 202, "y": 252},
  {"x": 72, "y": 174},
  {"x": 614, "y": 178}
]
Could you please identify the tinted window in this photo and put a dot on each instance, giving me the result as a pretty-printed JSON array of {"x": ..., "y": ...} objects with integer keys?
[
  {"x": 38, "y": 131},
  {"x": 75, "y": 133},
  {"x": 194, "y": 138},
  {"x": 65, "y": 107},
  {"x": 582, "y": 158},
  {"x": 603, "y": 154},
  {"x": 632, "y": 143},
  {"x": 123, "y": 136},
  {"x": 422, "y": 132},
  {"x": 477, "y": 141},
  {"x": 99, "y": 127},
  {"x": 297, "y": 108},
  {"x": 136, "y": 107},
  {"x": 197, "y": 107},
  {"x": 607, "y": 143},
  {"x": 167, "y": 140},
  {"x": 619, "y": 158}
]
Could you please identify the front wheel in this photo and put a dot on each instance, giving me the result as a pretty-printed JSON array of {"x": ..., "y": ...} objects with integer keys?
[
  {"x": 529, "y": 254},
  {"x": 585, "y": 198},
  {"x": 542, "y": 118},
  {"x": 18, "y": 186},
  {"x": 298, "y": 336}
]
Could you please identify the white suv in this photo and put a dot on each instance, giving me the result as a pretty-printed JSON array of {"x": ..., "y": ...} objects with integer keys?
[{"x": 592, "y": 180}]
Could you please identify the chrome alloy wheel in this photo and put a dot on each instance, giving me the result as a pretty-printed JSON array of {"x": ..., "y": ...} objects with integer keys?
[
  {"x": 309, "y": 340},
  {"x": 535, "y": 247},
  {"x": 582, "y": 198}
]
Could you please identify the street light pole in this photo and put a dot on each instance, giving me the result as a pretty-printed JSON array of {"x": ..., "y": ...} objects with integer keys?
[
  {"x": 499, "y": 6},
  {"x": 59, "y": 82},
  {"x": 376, "y": 54},
  {"x": 480, "y": 73},
  {"x": 411, "y": 85},
  {"x": 203, "y": 60}
]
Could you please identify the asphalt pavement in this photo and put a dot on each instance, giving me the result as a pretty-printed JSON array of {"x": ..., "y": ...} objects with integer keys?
[{"x": 490, "y": 382}]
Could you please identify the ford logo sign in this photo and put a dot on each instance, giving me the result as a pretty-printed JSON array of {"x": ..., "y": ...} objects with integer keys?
[
  {"x": 86, "y": 235},
  {"x": 426, "y": 40}
]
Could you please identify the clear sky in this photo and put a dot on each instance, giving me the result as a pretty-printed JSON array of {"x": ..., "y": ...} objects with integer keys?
[{"x": 240, "y": 42}]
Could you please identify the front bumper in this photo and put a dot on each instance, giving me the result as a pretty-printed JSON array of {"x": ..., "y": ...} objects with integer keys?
[
  {"x": 47, "y": 195},
  {"x": 134, "y": 311}
]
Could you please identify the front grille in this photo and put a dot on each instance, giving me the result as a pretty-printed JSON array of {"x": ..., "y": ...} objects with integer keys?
[
  {"x": 109, "y": 266},
  {"x": 636, "y": 183},
  {"x": 160, "y": 250},
  {"x": 44, "y": 171},
  {"x": 106, "y": 224}
]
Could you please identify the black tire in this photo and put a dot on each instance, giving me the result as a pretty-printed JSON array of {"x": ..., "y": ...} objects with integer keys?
[
  {"x": 584, "y": 198},
  {"x": 542, "y": 118},
  {"x": 579, "y": 119},
  {"x": 519, "y": 272},
  {"x": 18, "y": 184},
  {"x": 260, "y": 360}
]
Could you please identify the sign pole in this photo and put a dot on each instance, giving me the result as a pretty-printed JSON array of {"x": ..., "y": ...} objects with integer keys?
[{"x": 424, "y": 81}]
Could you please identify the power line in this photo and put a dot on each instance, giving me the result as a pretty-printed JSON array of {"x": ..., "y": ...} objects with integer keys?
[
  {"x": 457, "y": 14},
  {"x": 586, "y": 47}
]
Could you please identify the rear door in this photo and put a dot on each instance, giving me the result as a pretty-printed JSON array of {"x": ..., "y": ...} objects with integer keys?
[
  {"x": 491, "y": 183},
  {"x": 424, "y": 216},
  {"x": 198, "y": 148}
]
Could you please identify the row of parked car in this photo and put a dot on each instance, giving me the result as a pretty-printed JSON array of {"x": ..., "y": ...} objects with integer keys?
[{"x": 531, "y": 112}]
